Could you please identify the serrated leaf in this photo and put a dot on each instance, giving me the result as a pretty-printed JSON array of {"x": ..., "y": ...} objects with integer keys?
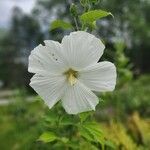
[
  {"x": 47, "y": 137},
  {"x": 93, "y": 127},
  {"x": 95, "y": 130},
  {"x": 92, "y": 132},
  {"x": 86, "y": 134},
  {"x": 93, "y": 15},
  {"x": 60, "y": 24}
]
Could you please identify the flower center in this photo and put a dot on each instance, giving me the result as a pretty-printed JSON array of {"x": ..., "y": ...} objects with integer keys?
[{"x": 71, "y": 76}]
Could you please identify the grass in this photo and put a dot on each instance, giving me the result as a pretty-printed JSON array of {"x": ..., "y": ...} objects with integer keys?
[{"x": 20, "y": 125}]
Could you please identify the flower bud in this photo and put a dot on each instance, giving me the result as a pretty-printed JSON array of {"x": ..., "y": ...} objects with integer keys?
[{"x": 73, "y": 10}]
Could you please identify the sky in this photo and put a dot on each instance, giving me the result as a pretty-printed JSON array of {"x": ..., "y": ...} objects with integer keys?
[{"x": 6, "y": 7}]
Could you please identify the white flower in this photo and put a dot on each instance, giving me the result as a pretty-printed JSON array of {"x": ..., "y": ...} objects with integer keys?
[{"x": 69, "y": 71}]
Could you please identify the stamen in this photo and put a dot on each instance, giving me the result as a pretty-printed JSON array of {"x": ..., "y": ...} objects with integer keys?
[
  {"x": 71, "y": 76},
  {"x": 72, "y": 80}
]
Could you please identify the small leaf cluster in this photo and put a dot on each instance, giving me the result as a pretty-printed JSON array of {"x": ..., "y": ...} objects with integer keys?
[
  {"x": 73, "y": 131},
  {"x": 85, "y": 20}
]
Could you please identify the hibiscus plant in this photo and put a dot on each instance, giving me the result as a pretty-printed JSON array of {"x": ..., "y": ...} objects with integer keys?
[{"x": 69, "y": 73}]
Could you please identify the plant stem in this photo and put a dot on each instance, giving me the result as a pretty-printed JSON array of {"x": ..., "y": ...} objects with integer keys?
[{"x": 76, "y": 23}]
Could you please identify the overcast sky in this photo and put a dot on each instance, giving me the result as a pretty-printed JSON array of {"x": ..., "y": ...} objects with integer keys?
[{"x": 6, "y": 7}]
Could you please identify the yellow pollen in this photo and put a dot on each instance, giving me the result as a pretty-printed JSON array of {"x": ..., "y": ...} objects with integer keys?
[{"x": 71, "y": 76}]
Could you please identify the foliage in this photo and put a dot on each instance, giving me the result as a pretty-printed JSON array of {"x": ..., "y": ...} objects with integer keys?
[
  {"x": 132, "y": 96},
  {"x": 60, "y": 24},
  {"x": 21, "y": 125},
  {"x": 118, "y": 134},
  {"x": 93, "y": 15},
  {"x": 48, "y": 137},
  {"x": 82, "y": 129}
]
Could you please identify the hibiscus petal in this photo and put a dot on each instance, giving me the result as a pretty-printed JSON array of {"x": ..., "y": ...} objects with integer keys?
[
  {"x": 46, "y": 58},
  {"x": 100, "y": 77},
  {"x": 50, "y": 87},
  {"x": 82, "y": 49},
  {"x": 79, "y": 98}
]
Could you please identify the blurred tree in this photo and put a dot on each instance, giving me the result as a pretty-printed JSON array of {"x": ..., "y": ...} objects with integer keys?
[
  {"x": 15, "y": 47},
  {"x": 131, "y": 24},
  {"x": 47, "y": 11}
]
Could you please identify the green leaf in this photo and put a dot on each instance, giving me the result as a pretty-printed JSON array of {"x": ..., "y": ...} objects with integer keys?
[
  {"x": 86, "y": 134},
  {"x": 60, "y": 24},
  {"x": 94, "y": 129},
  {"x": 110, "y": 144},
  {"x": 68, "y": 120},
  {"x": 51, "y": 117},
  {"x": 64, "y": 139},
  {"x": 91, "y": 25},
  {"x": 47, "y": 137},
  {"x": 93, "y": 15},
  {"x": 83, "y": 116}
]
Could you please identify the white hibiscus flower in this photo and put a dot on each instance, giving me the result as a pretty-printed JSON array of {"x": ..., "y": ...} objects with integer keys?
[{"x": 69, "y": 72}]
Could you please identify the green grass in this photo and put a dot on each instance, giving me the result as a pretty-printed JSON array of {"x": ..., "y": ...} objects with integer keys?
[{"x": 20, "y": 126}]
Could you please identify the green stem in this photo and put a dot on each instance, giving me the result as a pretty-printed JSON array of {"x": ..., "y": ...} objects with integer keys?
[
  {"x": 76, "y": 23},
  {"x": 82, "y": 28}
]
